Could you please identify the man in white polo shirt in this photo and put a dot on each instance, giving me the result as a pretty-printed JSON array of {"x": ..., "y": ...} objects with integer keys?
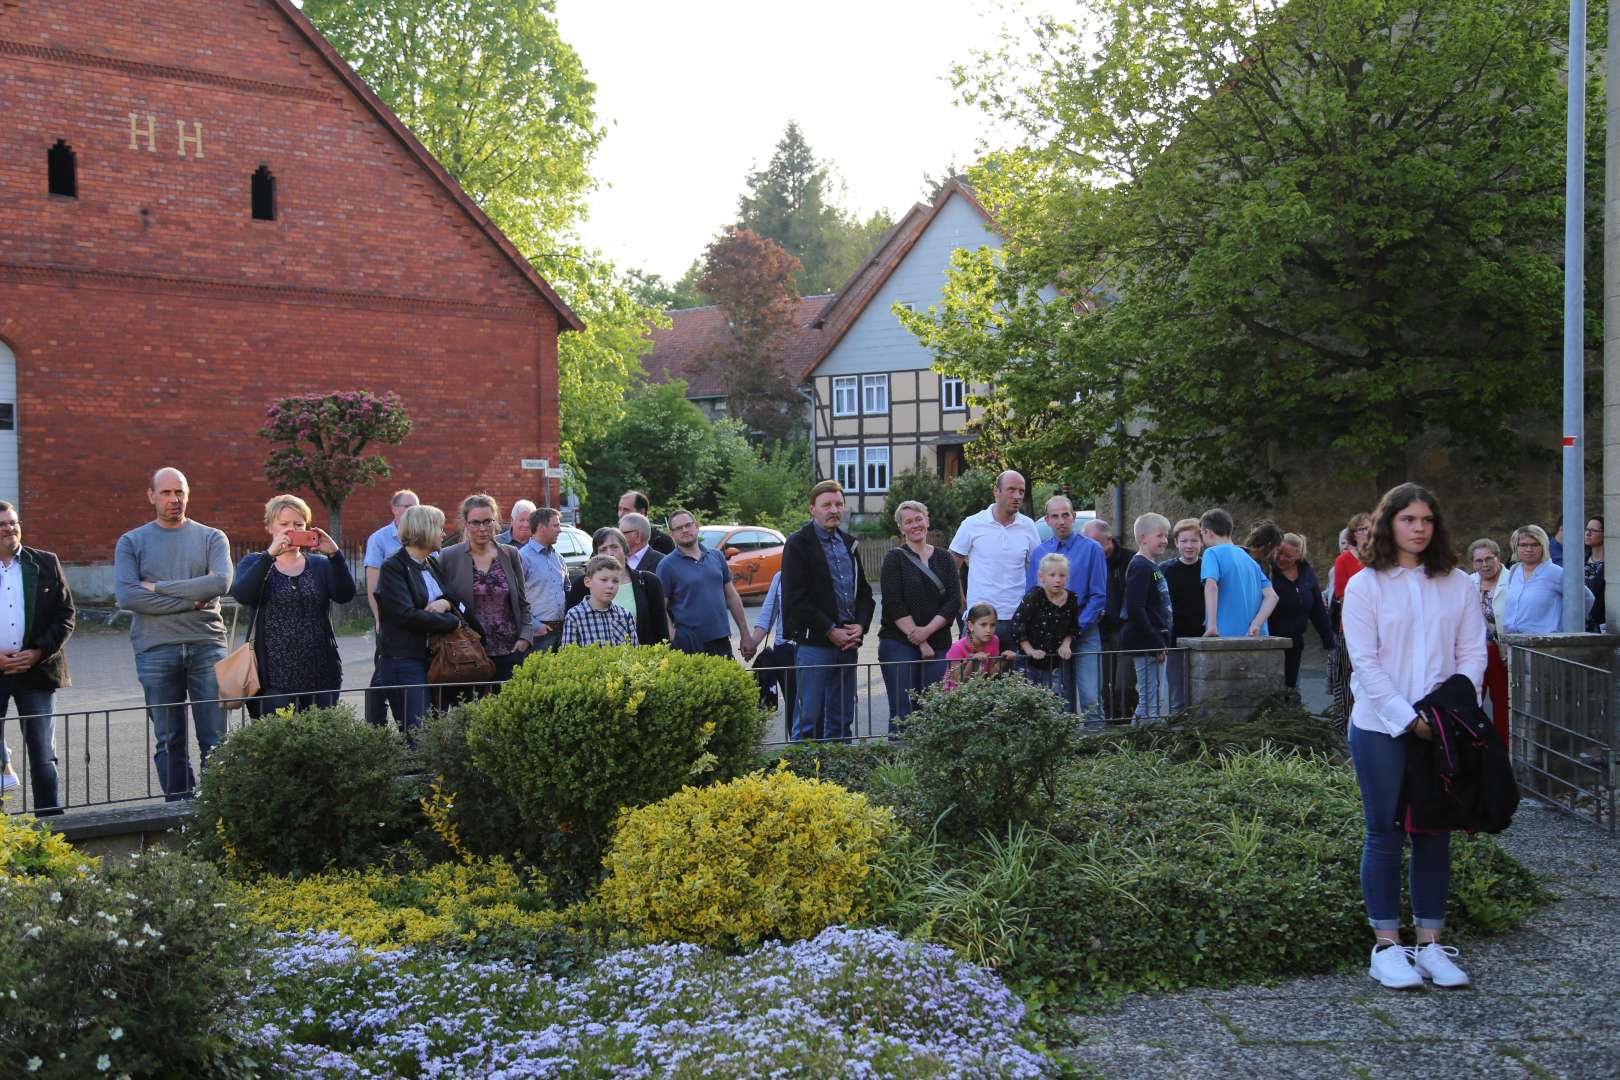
[{"x": 995, "y": 544}]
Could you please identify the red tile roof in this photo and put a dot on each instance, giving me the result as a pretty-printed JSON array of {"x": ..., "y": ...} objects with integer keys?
[{"x": 696, "y": 334}]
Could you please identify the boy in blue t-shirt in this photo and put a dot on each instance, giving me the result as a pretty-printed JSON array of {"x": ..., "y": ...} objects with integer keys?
[{"x": 1238, "y": 597}]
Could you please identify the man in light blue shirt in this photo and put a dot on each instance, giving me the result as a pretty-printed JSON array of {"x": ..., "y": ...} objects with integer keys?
[
  {"x": 545, "y": 578},
  {"x": 379, "y": 546},
  {"x": 1088, "y": 580}
]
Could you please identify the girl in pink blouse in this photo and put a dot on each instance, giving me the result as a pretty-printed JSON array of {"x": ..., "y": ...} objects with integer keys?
[
  {"x": 1411, "y": 621},
  {"x": 979, "y": 652}
]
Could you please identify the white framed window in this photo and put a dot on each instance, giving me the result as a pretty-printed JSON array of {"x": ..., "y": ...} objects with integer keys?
[
  {"x": 952, "y": 394},
  {"x": 874, "y": 395},
  {"x": 847, "y": 469},
  {"x": 877, "y": 468},
  {"x": 845, "y": 391}
]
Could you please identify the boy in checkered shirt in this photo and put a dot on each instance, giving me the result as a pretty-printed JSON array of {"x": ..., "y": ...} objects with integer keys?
[{"x": 599, "y": 621}]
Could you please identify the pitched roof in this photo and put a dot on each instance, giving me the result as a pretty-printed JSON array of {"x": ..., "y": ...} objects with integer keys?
[
  {"x": 870, "y": 277},
  {"x": 385, "y": 115},
  {"x": 681, "y": 350}
]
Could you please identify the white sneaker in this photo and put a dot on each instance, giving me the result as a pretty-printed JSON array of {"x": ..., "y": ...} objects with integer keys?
[
  {"x": 1392, "y": 967},
  {"x": 8, "y": 781},
  {"x": 1434, "y": 963}
]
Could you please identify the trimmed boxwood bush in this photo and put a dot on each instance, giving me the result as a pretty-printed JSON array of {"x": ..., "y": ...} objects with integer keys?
[
  {"x": 578, "y": 734},
  {"x": 762, "y": 857},
  {"x": 299, "y": 792},
  {"x": 484, "y": 817},
  {"x": 130, "y": 970},
  {"x": 986, "y": 754}
]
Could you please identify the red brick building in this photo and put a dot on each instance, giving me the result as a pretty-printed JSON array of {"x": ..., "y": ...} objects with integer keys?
[{"x": 203, "y": 208}]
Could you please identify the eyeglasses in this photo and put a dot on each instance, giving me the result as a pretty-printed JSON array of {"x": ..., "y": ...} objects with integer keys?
[{"x": 481, "y": 523}]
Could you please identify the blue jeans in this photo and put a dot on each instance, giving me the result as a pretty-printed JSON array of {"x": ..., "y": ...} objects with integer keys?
[
  {"x": 1086, "y": 668},
  {"x": 826, "y": 705},
  {"x": 408, "y": 698},
  {"x": 1380, "y": 762},
  {"x": 171, "y": 675},
  {"x": 905, "y": 672},
  {"x": 39, "y": 739},
  {"x": 1175, "y": 676},
  {"x": 1149, "y": 687}
]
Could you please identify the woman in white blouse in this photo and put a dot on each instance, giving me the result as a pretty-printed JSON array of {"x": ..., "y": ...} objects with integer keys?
[{"x": 1410, "y": 624}]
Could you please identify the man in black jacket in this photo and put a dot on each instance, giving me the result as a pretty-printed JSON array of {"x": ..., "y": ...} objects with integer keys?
[
  {"x": 827, "y": 608},
  {"x": 36, "y": 620}
]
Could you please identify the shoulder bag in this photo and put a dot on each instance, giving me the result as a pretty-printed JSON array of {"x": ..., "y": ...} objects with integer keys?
[
  {"x": 458, "y": 657},
  {"x": 238, "y": 674}
]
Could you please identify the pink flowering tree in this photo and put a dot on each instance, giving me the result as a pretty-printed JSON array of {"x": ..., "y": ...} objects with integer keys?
[{"x": 321, "y": 440}]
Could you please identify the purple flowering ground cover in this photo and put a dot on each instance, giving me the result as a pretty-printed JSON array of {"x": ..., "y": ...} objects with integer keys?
[{"x": 848, "y": 1003}]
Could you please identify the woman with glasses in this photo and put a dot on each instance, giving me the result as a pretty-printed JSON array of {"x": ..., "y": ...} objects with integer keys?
[
  {"x": 290, "y": 589},
  {"x": 1533, "y": 600},
  {"x": 486, "y": 578}
]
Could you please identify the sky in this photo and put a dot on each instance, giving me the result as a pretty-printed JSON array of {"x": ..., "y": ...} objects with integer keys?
[{"x": 696, "y": 93}]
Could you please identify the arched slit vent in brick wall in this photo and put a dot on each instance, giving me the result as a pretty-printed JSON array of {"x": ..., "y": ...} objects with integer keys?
[
  {"x": 62, "y": 170},
  {"x": 264, "y": 194}
]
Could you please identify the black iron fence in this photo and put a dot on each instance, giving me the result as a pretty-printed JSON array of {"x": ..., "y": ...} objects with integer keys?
[{"x": 1564, "y": 732}]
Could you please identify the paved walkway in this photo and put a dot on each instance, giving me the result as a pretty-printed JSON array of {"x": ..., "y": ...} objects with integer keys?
[{"x": 1545, "y": 1001}]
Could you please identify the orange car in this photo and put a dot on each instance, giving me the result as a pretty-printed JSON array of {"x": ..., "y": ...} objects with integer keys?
[{"x": 753, "y": 552}]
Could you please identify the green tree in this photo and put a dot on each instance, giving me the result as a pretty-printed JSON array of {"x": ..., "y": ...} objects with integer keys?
[
  {"x": 662, "y": 445},
  {"x": 769, "y": 485},
  {"x": 1242, "y": 235},
  {"x": 792, "y": 202},
  {"x": 504, "y": 103},
  {"x": 323, "y": 440}
]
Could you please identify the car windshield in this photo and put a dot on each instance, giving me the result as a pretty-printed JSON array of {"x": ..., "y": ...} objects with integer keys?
[{"x": 712, "y": 535}]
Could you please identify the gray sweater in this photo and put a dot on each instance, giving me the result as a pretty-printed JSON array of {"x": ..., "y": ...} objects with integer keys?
[{"x": 188, "y": 565}]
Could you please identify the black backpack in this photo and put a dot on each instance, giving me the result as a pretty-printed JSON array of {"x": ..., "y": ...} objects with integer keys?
[{"x": 1462, "y": 778}]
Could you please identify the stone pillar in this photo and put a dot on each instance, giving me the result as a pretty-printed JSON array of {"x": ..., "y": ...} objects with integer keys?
[{"x": 1232, "y": 674}]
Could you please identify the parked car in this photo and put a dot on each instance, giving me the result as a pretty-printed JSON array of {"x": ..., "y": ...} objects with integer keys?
[
  {"x": 574, "y": 545},
  {"x": 753, "y": 552}
]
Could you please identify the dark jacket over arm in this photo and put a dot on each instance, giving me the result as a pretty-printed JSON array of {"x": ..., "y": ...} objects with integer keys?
[
  {"x": 403, "y": 622},
  {"x": 809, "y": 606},
  {"x": 49, "y": 617}
]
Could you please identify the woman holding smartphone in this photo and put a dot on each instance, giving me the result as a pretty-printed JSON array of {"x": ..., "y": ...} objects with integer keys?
[
  {"x": 1411, "y": 621},
  {"x": 290, "y": 587}
]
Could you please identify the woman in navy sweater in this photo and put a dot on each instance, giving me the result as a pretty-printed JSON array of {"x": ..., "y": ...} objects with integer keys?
[
  {"x": 1299, "y": 604},
  {"x": 290, "y": 589}
]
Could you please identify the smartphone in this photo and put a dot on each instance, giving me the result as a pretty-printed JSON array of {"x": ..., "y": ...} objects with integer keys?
[{"x": 304, "y": 538}]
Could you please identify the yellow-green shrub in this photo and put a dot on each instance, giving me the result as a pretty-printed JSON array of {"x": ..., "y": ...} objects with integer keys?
[
  {"x": 734, "y": 864},
  {"x": 443, "y": 904},
  {"x": 575, "y": 735},
  {"x": 28, "y": 849}
]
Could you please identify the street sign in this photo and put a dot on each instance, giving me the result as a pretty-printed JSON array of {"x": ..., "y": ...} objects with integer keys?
[
  {"x": 536, "y": 463},
  {"x": 554, "y": 474}
]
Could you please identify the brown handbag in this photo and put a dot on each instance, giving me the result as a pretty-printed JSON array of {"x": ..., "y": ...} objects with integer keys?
[
  {"x": 238, "y": 674},
  {"x": 458, "y": 657}
]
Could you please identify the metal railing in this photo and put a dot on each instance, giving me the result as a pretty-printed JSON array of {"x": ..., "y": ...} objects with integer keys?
[
  {"x": 105, "y": 756},
  {"x": 1563, "y": 732}
]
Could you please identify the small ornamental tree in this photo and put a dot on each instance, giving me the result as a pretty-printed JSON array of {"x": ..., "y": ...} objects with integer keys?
[{"x": 323, "y": 440}]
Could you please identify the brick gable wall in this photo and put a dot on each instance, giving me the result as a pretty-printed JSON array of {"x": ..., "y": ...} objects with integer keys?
[{"x": 153, "y": 319}]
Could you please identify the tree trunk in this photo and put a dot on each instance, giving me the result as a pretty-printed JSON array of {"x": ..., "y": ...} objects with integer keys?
[{"x": 334, "y": 521}]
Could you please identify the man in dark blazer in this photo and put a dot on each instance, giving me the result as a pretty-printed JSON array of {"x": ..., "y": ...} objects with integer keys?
[
  {"x": 36, "y": 620},
  {"x": 642, "y": 555},
  {"x": 827, "y": 608}
]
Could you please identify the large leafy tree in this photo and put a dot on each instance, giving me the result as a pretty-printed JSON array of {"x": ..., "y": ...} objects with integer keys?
[
  {"x": 793, "y": 202},
  {"x": 1241, "y": 235},
  {"x": 751, "y": 280},
  {"x": 495, "y": 93}
]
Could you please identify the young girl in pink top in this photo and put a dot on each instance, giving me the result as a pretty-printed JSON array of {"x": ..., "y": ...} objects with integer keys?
[{"x": 980, "y": 652}]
